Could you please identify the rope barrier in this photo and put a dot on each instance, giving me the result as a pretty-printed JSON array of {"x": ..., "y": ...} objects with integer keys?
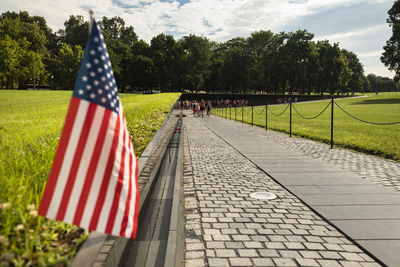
[
  {"x": 279, "y": 113},
  {"x": 255, "y": 110},
  {"x": 374, "y": 123},
  {"x": 311, "y": 117},
  {"x": 249, "y": 110}
]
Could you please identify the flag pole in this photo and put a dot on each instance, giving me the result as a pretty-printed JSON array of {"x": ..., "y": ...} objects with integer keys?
[{"x": 91, "y": 20}]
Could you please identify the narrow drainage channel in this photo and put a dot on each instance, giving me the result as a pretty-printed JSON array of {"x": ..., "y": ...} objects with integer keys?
[{"x": 149, "y": 248}]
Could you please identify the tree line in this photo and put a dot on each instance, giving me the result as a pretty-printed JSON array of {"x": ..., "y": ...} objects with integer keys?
[{"x": 31, "y": 53}]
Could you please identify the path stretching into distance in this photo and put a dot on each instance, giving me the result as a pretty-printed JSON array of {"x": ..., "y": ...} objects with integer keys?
[{"x": 319, "y": 191}]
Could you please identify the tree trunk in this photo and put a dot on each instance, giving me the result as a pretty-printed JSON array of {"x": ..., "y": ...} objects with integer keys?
[{"x": 9, "y": 86}]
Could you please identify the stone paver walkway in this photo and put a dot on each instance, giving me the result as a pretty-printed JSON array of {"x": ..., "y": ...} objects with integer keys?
[
  {"x": 225, "y": 227},
  {"x": 378, "y": 170}
]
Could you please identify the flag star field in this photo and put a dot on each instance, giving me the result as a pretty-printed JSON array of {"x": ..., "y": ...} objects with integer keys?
[{"x": 95, "y": 82}]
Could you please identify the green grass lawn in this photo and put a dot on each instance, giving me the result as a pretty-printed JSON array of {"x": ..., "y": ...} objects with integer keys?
[
  {"x": 30, "y": 128},
  {"x": 380, "y": 140}
]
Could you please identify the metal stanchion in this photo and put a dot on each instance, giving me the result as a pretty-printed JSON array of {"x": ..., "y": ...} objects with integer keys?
[
  {"x": 252, "y": 112},
  {"x": 235, "y": 113},
  {"x": 290, "y": 103},
  {"x": 332, "y": 122},
  {"x": 266, "y": 116}
]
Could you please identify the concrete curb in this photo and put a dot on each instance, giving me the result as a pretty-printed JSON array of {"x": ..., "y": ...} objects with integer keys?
[
  {"x": 175, "y": 246},
  {"x": 105, "y": 250}
]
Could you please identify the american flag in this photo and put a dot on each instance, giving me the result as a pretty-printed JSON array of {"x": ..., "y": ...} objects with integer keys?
[{"x": 93, "y": 181}]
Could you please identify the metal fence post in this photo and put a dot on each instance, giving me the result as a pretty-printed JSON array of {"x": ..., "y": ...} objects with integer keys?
[
  {"x": 252, "y": 112},
  {"x": 230, "y": 112},
  {"x": 332, "y": 102},
  {"x": 235, "y": 113},
  {"x": 242, "y": 113},
  {"x": 290, "y": 103},
  {"x": 266, "y": 116}
]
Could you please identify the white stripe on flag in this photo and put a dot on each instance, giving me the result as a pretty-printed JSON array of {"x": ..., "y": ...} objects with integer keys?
[
  {"x": 84, "y": 164},
  {"x": 105, "y": 211},
  {"x": 129, "y": 227},
  {"x": 125, "y": 186},
  {"x": 67, "y": 160},
  {"x": 99, "y": 174}
]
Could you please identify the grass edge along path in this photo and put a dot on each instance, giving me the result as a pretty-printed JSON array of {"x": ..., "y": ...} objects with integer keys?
[
  {"x": 378, "y": 140},
  {"x": 30, "y": 128}
]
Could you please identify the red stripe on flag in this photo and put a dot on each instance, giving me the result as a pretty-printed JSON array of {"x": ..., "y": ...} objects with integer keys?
[
  {"x": 128, "y": 200},
  {"x": 59, "y": 157},
  {"x": 76, "y": 161},
  {"x": 136, "y": 212},
  {"x": 92, "y": 168},
  {"x": 106, "y": 179},
  {"x": 118, "y": 187}
]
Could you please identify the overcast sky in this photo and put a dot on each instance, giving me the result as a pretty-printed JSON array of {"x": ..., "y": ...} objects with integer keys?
[{"x": 358, "y": 25}]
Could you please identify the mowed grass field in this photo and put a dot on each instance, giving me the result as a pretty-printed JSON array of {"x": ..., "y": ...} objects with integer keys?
[
  {"x": 379, "y": 140},
  {"x": 30, "y": 128}
]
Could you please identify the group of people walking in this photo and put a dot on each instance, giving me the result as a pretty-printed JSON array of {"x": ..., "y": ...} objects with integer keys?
[
  {"x": 202, "y": 107},
  {"x": 198, "y": 107}
]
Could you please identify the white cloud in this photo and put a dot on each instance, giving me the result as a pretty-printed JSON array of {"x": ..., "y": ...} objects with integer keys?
[
  {"x": 219, "y": 20},
  {"x": 225, "y": 18},
  {"x": 336, "y": 37},
  {"x": 137, "y": 2},
  {"x": 376, "y": 53}
]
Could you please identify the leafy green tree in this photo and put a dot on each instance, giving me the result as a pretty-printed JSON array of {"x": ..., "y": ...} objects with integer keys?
[
  {"x": 237, "y": 65},
  {"x": 28, "y": 55},
  {"x": 65, "y": 66},
  {"x": 296, "y": 54},
  {"x": 382, "y": 84},
  {"x": 9, "y": 58},
  {"x": 119, "y": 40},
  {"x": 366, "y": 86},
  {"x": 335, "y": 72},
  {"x": 142, "y": 72},
  {"x": 260, "y": 44},
  {"x": 391, "y": 55},
  {"x": 32, "y": 69},
  {"x": 196, "y": 59},
  {"x": 167, "y": 58},
  {"x": 263, "y": 62},
  {"x": 356, "y": 69},
  {"x": 75, "y": 32},
  {"x": 213, "y": 82},
  {"x": 21, "y": 25},
  {"x": 272, "y": 67},
  {"x": 11, "y": 26},
  {"x": 35, "y": 36},
  {"x": 311, "y": 80}
]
